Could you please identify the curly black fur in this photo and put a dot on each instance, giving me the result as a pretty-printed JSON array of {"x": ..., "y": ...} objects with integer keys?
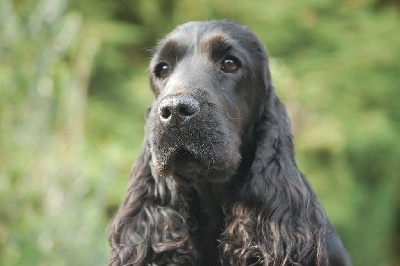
[{"x": 216, "y": 182}]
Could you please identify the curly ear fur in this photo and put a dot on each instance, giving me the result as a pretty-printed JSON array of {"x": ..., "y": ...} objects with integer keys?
[
  {"x": 151, "y": 223},
  {"x": 277, "y": 220}
]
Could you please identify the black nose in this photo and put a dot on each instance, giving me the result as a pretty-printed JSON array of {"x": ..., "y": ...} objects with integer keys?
[{"x": 178, "y": 111}]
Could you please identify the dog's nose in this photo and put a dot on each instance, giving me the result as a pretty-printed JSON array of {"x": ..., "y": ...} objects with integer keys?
[{"x": 178, "y": 111}]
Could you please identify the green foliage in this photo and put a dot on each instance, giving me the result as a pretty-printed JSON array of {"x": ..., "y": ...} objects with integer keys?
[{"x": 74, "y": 91}]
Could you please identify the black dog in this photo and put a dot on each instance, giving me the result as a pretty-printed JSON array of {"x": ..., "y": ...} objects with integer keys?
[{"x": 216, "y": 182}]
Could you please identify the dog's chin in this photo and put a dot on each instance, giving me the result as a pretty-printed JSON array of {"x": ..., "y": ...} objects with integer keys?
[{"x": 187, "y": 168}]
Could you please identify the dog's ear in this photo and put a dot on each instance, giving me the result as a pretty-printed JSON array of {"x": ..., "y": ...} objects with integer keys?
[
  {"x": 151, "y": 222},
  {"x": 277, "y": 219},
  {"x": 126, "y": 246}
]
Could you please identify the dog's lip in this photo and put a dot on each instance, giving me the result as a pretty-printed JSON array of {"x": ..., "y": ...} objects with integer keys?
[{"x": 182, "y": 157}]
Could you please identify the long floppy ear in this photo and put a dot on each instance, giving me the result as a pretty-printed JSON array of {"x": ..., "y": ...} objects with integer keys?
[
  {"x": 151, "y": 223},
  {"x": 277, "y": 220}
]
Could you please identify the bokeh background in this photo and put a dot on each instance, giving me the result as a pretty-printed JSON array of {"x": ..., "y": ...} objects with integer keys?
[{"x": 74, "y": 90}]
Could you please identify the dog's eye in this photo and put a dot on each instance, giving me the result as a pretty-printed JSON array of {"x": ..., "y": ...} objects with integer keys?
[
  {"x": 162, "y": 70},
  {"x": 230, "y": 64}
]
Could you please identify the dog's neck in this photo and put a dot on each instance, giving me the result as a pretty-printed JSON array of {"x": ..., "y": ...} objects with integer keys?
[
  {"x": 210, "y": 216},
  {"x": 212, "y": 195},
  {"x": 213, "y": 198}
]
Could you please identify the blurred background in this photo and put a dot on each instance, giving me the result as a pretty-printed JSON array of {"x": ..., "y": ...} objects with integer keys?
[{"x": 74, "y": 90}]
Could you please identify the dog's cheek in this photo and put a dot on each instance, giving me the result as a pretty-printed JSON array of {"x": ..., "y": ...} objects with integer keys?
[
  {"x": 232, "y": 143},
  {"x": 151, "y": 131},
  {"x": 152, "y": 119}
]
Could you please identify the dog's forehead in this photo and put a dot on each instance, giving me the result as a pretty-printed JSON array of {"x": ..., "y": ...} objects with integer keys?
[
  {"x": 204, "y": 36},
  {"x": 196, "y": 41}
]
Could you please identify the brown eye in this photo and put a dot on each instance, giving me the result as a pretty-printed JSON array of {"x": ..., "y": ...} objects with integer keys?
[
  {"x": 230, "y": 64},
  {"x": 162, "y": 70}
]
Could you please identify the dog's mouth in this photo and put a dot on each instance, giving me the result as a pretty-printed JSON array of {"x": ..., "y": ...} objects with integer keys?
[{"x": 186, "y": 167}]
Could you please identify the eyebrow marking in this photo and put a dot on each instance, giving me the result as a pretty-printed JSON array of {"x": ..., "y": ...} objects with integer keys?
[
  {"x": 172, "y": 51},
  {"x": 170, "y": 47},
  {"x": 218, "y": 46}
]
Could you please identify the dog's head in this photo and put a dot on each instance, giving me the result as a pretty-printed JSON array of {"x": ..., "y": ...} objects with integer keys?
[{"x": 209, "y": 81}]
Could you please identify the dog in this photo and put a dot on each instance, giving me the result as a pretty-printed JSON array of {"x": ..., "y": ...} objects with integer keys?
[{"x": 216, "y": 182}]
